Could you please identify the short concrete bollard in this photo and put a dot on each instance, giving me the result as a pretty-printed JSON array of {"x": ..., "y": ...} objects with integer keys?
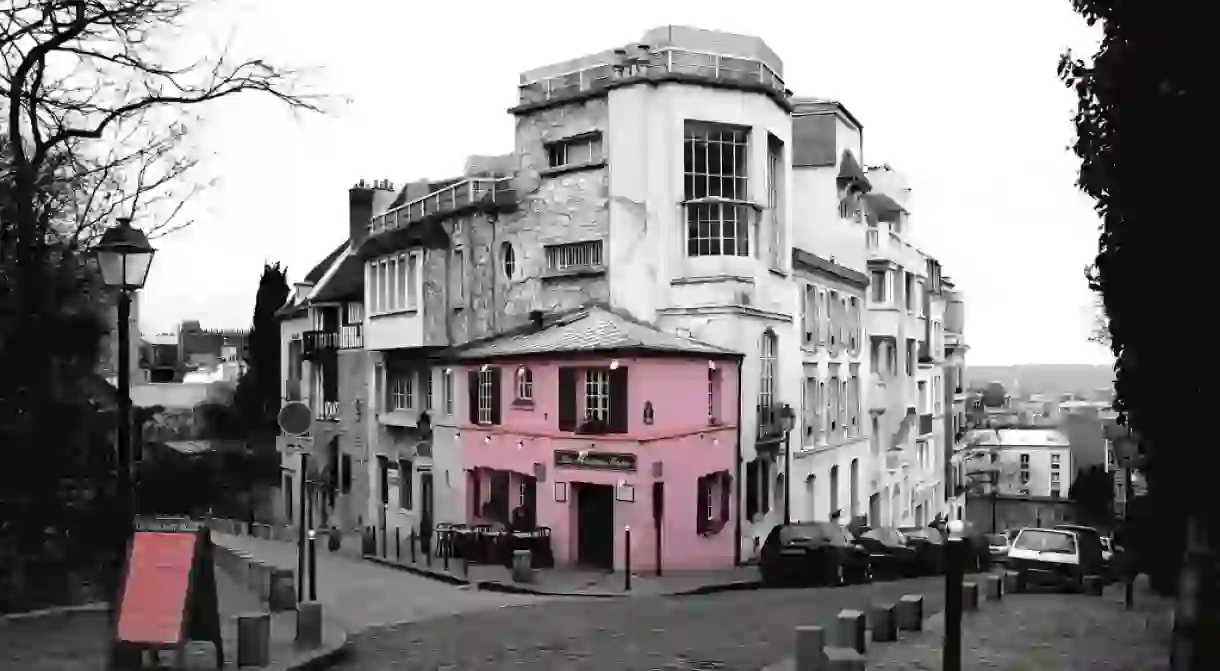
[
  {"x": 993, "y": 586},
  {"x": 810, "y": 656},
  {"x": 1093, "y": 585},
  {"x": 910, "y": 613},
  {"x": 1012, "y": 582},
  {"x": 844, "y": 659},
  {"x": 970, "y": 596},
  {"x": 283, "y": 591},
  {"x": 850, "y": 630},
  {"x": 254, "y": 639},
  {"x": 883, "y": 620},
  {"x": 522, "y": 569},
  {"x": 309, "y": 624},
  {"x": 263, "y": 578}
]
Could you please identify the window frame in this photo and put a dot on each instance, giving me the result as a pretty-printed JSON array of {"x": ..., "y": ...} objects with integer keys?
[
  {"x": 525, "y": 384},
  {"x": 595, "y": 395},
  {"x": 717, "y": 223},
  {"x": 559, "y": 153},
  {"x": 486, "y": 379}
]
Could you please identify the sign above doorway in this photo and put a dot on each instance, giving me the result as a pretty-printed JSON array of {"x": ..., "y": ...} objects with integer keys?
[{"x": 595, "y": 461}]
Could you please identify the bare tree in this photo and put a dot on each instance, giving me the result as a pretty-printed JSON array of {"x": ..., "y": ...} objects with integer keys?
[{"x": 97, "y": 96}]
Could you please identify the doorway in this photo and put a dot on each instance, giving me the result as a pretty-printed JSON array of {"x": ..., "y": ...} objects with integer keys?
[
  {"x": 874, "y": 510},
  {"x": 595, "y": 525},
  {"x": 425, "y": 495}
]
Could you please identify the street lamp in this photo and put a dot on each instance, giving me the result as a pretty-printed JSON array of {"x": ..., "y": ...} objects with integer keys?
[
  {"x": 123, "y": 258},
  {"x": 787, "y": 419}
]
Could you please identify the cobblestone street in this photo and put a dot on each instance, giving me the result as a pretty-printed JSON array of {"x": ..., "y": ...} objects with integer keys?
[{"x": 739, "y": 631}]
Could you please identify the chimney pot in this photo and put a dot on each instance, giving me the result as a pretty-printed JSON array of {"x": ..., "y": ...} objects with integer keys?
[{"x": 536, "y": 318}]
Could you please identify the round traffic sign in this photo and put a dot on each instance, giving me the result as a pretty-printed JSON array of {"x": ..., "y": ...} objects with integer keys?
[{"x": 295, "y": 418}]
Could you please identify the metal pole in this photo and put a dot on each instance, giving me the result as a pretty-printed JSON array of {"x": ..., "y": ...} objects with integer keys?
[
  {"x": 788, "y": 478},
  {"x": 397, "y": 545},
  {"x": 995, "y": 498},
  {"x": 301, "y": 531},
  {"x": 313, "y": 565},
  {"x": 1128, "y": 557},
  {"x": 122, "y": 448},
  {"x": 954, "y": 574},
  {"x": 627, "y": 557}
]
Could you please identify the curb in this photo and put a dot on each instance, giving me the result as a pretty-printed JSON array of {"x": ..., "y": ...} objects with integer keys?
[
  {"x": 422, "y": 572},
  {"x": 92, "y": 607},
  {"x": 508, "y": 588},
  {"x": 325, "y": 657}
]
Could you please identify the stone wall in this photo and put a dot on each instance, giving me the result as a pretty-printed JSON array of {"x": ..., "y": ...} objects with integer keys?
[{"x": 354, "y": 378}]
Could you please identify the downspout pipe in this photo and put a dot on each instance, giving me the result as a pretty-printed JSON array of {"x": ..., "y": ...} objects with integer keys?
[{"x": 737, "y": 480}]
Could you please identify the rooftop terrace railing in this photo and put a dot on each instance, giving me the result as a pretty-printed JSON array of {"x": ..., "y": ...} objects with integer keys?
[
  {"x": 455, "y": 196},
  {"x": 662, "y": 61}
]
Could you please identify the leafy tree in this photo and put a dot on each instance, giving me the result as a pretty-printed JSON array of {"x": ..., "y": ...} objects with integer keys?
[
  {"x": 994, "y": 395},
  {"x": 1093, "y": 494},
  {"x": 94, "y": 125},
  {"x": 258, "y": 391},
  {"x": 1146, "y": 110}
]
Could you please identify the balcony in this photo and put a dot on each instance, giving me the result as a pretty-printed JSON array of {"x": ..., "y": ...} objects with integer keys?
[
  {"x": 925, "y": 424},
  {"x": 317, "y": 343},
  {"x": 467, "y": 193},
  {"x": 351, "y": 336},
  {"x": 327, "y": 411},
  {"x": 668, "y": 62}
]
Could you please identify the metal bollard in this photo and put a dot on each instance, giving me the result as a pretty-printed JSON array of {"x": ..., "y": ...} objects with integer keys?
[
  {"x": 411, "y": 540},
  {"x": 444, "y": 545},
  {"x": 254, "y": 639},
  {"x": 313, "y": 565},
  {"x": 397, "y": 545},
  {"x": 627, "y": 557}
]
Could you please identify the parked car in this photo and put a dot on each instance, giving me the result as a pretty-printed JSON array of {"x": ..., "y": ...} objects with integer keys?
[
  {"x": 1094, "y": 539},
  {"x": 889, "y": 552},
  {"x": 813, "y": 552},
  {"x": 929, "y": 546},
  {"x": 998, "y": 545},
  {"x": 1055, "y": 557}
]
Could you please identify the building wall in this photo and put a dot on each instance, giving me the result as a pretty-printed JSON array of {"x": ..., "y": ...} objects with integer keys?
[
  {"x": 1040, "y": 460},
  {"x": 679, "y": 439},
  {"x": 1015, "y": 512}
]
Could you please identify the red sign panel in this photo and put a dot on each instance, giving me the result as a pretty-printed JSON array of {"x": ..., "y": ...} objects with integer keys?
[{"x": 153, "y": 606}]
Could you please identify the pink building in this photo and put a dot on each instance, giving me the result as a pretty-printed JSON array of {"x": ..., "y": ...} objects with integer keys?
[{"x": 591, "y": 422}]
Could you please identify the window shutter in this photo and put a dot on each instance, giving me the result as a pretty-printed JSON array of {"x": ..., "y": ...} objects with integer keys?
[
  {"x": 619, "y": 410},
  {"x": 472, "y": 393},
  {"x": 567, "y": 399},
  {"x": 701, "y": 518},
  {"x": 476, "y": 493},
  {"x": 751, "y": 489},
  {"x": 726, "y": 496},
  {"x": 496, "y": 376}
]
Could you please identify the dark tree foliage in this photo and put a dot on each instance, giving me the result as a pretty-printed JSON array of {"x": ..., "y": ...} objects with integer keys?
[
  {"x": 1145, "y": 125},
  {"x": 994, "y": 395},
  {"x": 258, "y": 391},
  {"x": 1093, "y": 494}
]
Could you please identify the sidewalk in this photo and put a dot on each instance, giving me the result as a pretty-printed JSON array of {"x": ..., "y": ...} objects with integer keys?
[
  {"x": 1046, "y": 632},
  {"x": 574, "y": 582},
  {"x": 80, "y": 640},
  {"x": 362, "y": 594}
]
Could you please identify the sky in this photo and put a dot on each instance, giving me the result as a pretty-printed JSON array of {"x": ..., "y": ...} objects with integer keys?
[{"x": 960, "y": 96}]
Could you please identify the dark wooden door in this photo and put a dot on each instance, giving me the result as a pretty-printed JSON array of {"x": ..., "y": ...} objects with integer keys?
[{"x": 595, "y": 525}]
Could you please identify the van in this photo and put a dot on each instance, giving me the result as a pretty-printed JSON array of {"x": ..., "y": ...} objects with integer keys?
[{"x": 1054, "y": 557}]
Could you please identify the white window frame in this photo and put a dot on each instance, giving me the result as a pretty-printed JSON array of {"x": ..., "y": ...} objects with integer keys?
[
  {"x": 768, "y": 358},
  {"x": 413, "y": 281},
  {"x": 578, "y": 150},
  {"x": 732, "y": 220},
  {"x": 486, "y": 379},
  {"x": 525, "y": 384},
  {"x": 774, "y": 203},
  {"x": 400, "y": 390},
  {"x": 459, "y": 267},
  {"x": 879, "y": 291},
  {"x": 597, "y": 394},
  {"x": 426, "y": 374},
  {"x": 447, "y": 390}
]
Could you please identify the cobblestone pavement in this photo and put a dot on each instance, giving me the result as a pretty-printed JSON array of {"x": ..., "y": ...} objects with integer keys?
[
  {"x": 362, "y": 594},
  {"x": 736, "y": 631},
  {"x": 1046, "y": 632}
]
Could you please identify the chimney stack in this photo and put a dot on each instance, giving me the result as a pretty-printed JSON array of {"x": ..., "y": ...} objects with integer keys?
[
  {"x": 536, "y": 318},
  {"x": 360, "y": 211}
]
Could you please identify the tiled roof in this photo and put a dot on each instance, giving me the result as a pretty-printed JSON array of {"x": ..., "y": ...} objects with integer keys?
[
  {"x": 314, "y": 276},
  {"x": 880, "y": 207},
  {"x": 850, "y": 171},
  {"x": 592, "y": 328},
  {"x": 347, "y": 281}
]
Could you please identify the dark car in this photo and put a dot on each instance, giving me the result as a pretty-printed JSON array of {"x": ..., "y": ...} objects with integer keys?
[
  {"x": 812, "y": 552},
  {"x": 1105, "y": 570},
  {"x": 889, "y": 552},
  {"x": 929, "y": 546}
]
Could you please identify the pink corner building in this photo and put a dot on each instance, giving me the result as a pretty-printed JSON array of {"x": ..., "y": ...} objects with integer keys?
[{"x": 584, "y": 424}]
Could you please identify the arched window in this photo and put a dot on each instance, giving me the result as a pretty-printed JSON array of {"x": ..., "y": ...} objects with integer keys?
[{"x": 509, "y": 258}]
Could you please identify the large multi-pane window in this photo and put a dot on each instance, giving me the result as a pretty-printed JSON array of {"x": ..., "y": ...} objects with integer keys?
[
  {"x": 714, "y": 167},
  {"x": 597, "y": 394}
]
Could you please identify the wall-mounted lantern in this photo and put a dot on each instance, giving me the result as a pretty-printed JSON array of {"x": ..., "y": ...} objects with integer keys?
[
  {"x": 614, "y": 364},
  {"x": 648, "y": 413}
]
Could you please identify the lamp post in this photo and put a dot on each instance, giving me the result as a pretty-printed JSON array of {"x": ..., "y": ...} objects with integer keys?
[
  {"x": 123, "y": 259},
  {"x": 787, "y": 419}
]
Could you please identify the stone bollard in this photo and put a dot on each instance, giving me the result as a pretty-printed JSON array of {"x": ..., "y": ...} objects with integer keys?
[
  {"x": 309, "y": 624},
  {"x": 910, "y": 613},
  {"x": 884, "y": 623},
  {"x": 522, "y": 571},
  {"x": 993, "y": 587},
  {"x": 1012, "y": 582},
  {"x": 241, "y": 568},
  {"x": 809, "y": 654},
  {"x": 850, "y": 630},
  {"x": 1092, "y": 585},
  {"x": 970, "y": 596},
  {"x": 844, "y": 659},
  {"x": 283, "y": 591},
  {"x": 254, "y": 639},
  {"x": 261, "y": 574}
]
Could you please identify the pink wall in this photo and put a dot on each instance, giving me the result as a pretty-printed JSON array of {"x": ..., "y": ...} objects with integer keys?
[{"x": 680, "y": 437}]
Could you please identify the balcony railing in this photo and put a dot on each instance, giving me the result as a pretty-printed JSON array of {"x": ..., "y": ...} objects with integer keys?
[
  {"x": 315, "y": 343},
  {"x": 351, "y": 336},
  {"x": 669, "y": 60},
  {"x": 462, "y": 194},
  {"x": 327, "y": 411}
]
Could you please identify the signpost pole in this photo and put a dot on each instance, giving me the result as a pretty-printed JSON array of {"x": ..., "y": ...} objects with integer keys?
[
  {"x": 295, "y": 420},
  {"x": 301, "y": 533}
]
